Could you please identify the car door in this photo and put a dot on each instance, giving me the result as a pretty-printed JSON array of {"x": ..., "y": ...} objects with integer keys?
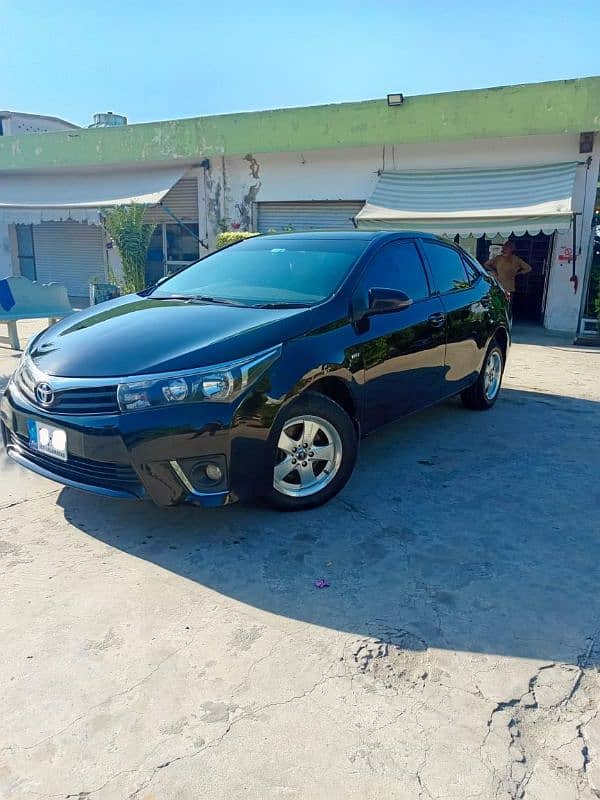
[
  {"x": 403, "y": 350},
  {"x": 465, "y": 297}
]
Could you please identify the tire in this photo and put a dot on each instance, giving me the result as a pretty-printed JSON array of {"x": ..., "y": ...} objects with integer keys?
[
  {"x": 318, "y": 422},
  {"x": 484, "y": 392}
]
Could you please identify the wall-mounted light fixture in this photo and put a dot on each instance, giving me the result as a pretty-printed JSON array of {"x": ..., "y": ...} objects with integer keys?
[{"x": 395, "y": 99}]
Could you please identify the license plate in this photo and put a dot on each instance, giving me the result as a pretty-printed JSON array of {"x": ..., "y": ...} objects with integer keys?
[{"x": 47, "y": 439}]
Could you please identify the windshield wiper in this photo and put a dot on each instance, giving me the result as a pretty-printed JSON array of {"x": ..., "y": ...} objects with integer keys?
[
  {"x": 282, "y": 305},
  {"x": 221, "y": 301},
  {"x": 199, "y": 298},
  {"x": 170, "y": 297}
]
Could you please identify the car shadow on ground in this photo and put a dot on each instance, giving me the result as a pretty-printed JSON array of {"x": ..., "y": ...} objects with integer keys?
[{"x": 464, "y": 531}]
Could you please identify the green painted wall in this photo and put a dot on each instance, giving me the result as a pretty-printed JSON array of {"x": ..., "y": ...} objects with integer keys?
[{"x": 543, "y": 108}]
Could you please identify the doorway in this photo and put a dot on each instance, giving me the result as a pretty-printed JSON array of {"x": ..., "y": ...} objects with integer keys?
[
  {"x": 171, "y": 248},
  {"x": 26, "y": 252},
  {"x": 530, "y": 298}
]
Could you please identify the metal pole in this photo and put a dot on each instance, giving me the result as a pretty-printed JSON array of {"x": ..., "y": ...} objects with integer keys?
[
  {"x": 573, "y": 274},
  {"x": 184, "y": 226}
]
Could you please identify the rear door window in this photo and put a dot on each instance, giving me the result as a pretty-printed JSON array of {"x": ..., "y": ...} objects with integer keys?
[
  {"x": 474, "y": 270},
  {"x": 448, "y": 269}
]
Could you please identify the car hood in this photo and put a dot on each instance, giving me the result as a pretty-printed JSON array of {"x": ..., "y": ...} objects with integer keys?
[{"x": 136, "y": 335}]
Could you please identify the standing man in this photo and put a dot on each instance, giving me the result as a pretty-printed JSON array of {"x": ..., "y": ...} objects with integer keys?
[{"x": 507, "y": 266}]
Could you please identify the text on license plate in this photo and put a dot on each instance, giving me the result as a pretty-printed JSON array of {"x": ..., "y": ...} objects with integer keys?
[{"x": 47, "y": 439}]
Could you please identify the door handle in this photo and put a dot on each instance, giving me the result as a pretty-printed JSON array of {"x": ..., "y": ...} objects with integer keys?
[{"x": 437, "y": 320}]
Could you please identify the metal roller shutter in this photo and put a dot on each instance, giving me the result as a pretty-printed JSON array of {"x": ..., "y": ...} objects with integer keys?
[
  {"x": 69, "y": 253},
  {"x": 182, "y": 200},
  {"x": 308, "y": 216}
]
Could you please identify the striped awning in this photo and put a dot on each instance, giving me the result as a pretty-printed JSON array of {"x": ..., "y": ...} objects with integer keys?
[{"x": 473, "y": 202}]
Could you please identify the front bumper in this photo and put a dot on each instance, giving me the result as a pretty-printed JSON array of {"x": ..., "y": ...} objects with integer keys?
[{"x": 155, "y": 453}]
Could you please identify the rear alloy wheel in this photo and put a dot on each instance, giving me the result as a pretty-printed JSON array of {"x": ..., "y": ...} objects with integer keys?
[
  {"x": 316, "y": 446},
  {"x": 484, "y": 393}
]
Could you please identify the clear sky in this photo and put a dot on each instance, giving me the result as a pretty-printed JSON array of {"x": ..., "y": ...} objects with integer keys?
[{"x": 182, "y": 58}]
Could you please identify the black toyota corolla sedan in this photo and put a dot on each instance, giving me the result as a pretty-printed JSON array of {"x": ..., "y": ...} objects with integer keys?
[{"x": 255, "y": 371}]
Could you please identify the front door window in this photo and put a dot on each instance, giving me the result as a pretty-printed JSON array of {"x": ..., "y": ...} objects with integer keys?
[{"x": 447, "y": 267}]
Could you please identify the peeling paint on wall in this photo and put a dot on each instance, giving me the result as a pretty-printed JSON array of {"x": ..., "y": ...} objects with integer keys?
[
  {"x": 254, "y": 165},
  {"x": 249, "y": 198},
  {"x": 227, "y": 201},
  {"x": 212, "y": 202}
]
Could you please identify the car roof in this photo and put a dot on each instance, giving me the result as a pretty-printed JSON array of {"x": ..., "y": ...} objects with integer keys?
[{"x": 358, "y": 234}]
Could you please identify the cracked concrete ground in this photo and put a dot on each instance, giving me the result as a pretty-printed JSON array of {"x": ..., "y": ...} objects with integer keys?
[{"x": 183, "y": 654}]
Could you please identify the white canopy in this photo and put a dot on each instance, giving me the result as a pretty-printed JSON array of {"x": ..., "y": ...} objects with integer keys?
[
  {"x": 57, "y": 196},
  {"x": 473, "y": 202}
]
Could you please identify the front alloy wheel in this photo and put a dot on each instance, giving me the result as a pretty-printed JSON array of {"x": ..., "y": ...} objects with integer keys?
[
  {"x": 310, "y": 454},
  {"x": 315, "y": 447}
]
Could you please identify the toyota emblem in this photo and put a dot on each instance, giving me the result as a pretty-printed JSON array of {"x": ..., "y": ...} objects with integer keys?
[{"x": 44, "y": 394}]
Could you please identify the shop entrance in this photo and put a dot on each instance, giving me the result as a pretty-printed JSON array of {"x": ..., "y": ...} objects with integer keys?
[
  {"x": 530, "y": 298},
  {"x": 171, "y": 248}
]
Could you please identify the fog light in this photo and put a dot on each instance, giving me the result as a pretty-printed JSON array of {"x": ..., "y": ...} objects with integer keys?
[
  {"x": 214, "y": 472},
  {"x": 204, "y": 474}
]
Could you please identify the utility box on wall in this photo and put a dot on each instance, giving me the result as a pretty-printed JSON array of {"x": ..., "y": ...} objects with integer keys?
[{"x": 100, "y": 292}]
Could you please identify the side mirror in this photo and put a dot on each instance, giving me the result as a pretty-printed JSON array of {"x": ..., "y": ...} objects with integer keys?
[{"x": 382, "y": 301}]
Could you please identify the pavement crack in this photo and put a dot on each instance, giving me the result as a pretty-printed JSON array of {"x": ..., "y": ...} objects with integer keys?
[
  {"x": 106, "y": 700},
  {"x": 29, "y": 499},
  {"x": 423, "y": 790},
  {"x": 260, "y": 660},
  {"x": 585, "y": 660},
  {"x": 219, "y": 739},
  {"x": 533, "y": 721},
  {"x": 585, "y": 750}
]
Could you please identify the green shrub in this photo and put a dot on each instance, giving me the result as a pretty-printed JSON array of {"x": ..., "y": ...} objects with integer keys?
[
  {"x": 126, "y": 227},
  {"x": 229, "y": 237}
]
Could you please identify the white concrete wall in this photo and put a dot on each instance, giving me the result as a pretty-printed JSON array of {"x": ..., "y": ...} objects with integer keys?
[
  {"x": 563, "y": 301},
  {"x": 113, "y": 262},
  {"x": 16, "y": 124}
]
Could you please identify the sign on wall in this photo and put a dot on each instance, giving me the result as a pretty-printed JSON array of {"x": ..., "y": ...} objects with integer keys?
[{"x": 565, "y": 253}]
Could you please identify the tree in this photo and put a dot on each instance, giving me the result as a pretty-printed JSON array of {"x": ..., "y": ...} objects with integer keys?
[{"x": 126, "y": 227}]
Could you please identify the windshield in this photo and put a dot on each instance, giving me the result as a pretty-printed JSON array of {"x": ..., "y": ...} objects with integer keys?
[{"x": 268, "y": 271}]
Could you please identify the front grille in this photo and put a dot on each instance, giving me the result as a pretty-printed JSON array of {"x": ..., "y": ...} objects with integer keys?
[
  {"x": 91, "y": 400},
  {"x": 107, "y": 475},
  {"x": 79, "y": 400}
]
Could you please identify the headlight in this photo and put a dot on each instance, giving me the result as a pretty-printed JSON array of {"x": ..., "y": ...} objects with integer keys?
[{"x": 221, "y": 383}]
